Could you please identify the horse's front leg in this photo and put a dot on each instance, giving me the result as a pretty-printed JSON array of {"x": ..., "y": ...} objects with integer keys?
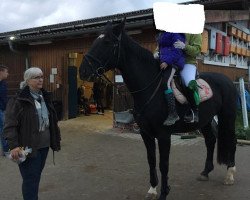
[
  {"x": 164, "y": 150},
  {"x": 151, "y": 156},
  {"x": 210, "y": 141}
]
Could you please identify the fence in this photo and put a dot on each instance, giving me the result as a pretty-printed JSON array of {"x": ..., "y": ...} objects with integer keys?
[
  {"x": 237, "y": 85},
  {"x": 242, "y": 88}
]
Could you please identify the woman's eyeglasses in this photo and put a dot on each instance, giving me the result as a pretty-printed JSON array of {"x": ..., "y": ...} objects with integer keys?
[{"x": 37, "y": 77}]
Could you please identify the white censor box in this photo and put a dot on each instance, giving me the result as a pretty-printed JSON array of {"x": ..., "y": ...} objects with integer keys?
[{"x": 176, "y": 18}]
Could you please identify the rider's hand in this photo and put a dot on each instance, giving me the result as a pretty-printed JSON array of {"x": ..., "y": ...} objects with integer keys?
[
  {"x": 163, "y": 65},
  {"x": 179, "y": 45},
  {"x": 16, "y": 153},
  {"x": 156, "y": 55}
]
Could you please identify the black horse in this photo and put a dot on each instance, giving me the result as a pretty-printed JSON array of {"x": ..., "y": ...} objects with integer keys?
[{"x": 141, "y": 73}]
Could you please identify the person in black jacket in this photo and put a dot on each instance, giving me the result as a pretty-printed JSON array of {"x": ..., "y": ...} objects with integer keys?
[
  {"x": 31, "y": 121},
  {"x": 82, "y": 101},
  {"x": 97, "y": 96},
  {"x": 3, "y": 101}
]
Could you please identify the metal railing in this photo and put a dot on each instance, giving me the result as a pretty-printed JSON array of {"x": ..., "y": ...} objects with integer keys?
[{"x": 241, "y": 87}]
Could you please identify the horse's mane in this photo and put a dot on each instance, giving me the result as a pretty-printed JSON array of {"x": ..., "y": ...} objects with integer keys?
[{"x": 142, "y": 53}]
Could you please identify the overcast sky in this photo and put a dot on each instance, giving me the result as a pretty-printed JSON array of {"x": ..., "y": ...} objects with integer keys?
[{"x": 21, "y": 14}]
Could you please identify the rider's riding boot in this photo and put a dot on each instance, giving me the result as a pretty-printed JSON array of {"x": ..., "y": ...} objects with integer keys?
[
  {"x": 172, "y": 114},
  {"x": 192, "y": 116}
]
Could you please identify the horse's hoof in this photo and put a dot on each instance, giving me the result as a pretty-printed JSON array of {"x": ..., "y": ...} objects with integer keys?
[
  {"x": 151, "y": 196},
  {"x": 202, "y": 178},
  {"x": 228, "y": 181}
]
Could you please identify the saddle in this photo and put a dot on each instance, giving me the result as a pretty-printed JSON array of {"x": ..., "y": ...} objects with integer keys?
[{"x": 179, "y": 89}]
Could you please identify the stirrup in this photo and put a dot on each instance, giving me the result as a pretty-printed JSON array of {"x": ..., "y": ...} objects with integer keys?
[{"x": 193, "y": 116}]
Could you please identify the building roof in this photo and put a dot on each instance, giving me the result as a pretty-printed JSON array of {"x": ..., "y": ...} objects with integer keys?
[
  {"x": 140, "y": 18},
  {"x": 133, "y": 19},
  {"x": 224, "y": 4}
]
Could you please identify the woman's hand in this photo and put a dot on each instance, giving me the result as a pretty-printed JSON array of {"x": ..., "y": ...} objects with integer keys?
[
  {"x": 179, "y": 45},
  {"x": 16, "y": 153},
  {"x": 163, "y": 65}
]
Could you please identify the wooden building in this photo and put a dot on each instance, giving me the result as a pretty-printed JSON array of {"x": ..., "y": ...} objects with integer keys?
[{"x": 54, "y": 48}]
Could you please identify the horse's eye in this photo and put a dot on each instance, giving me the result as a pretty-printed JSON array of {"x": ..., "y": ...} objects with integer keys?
[{"x": 107, "y": 41}]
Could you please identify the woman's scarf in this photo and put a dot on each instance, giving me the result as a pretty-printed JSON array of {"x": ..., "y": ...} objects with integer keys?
[{"x": 41, "y": 110}]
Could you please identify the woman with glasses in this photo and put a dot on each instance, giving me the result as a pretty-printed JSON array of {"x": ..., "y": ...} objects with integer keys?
[{"x": 31, "y": 122}]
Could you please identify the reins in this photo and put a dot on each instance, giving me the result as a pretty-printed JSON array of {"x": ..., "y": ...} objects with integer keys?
[
  {"x": 141, "y": 90},
  {"x": 151, "y": 97}
]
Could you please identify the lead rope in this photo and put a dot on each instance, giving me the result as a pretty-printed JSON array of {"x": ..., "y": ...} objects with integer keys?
[{"x": 54, "y": 157}]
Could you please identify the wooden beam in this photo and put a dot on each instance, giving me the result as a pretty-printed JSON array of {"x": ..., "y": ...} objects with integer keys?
[{"x": 226, "y": 15}]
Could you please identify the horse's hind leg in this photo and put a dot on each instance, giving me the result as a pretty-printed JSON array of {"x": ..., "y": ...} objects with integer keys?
[
  {"x": 164, "y": 150},
  {"x": 231, "y": 169},
  {"x": 227, "y": 144},
  {"x": 151, "y": 156},
  {"x": 210, "y": 141}
]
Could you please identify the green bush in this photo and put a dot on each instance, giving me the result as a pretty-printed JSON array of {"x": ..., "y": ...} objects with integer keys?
[{"x": 241, "y": 133}]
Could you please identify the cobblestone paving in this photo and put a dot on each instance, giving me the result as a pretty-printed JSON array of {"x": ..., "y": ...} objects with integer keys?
[
  {"x": 98, "y": 161},
  {"x": 103, "y": 124}
]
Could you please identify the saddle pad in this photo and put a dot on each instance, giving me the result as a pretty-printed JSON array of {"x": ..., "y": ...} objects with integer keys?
[{"x": 205, "y": 91}]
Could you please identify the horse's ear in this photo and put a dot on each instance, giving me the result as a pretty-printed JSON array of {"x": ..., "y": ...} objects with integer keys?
[
  {"x": 117, "y": 30},
  {"x": 123, "y": 22},
  {"x": 108, "y": 27}
]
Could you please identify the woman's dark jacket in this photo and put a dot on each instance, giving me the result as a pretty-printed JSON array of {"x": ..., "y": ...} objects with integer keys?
[{"x": 22, "y": 123}]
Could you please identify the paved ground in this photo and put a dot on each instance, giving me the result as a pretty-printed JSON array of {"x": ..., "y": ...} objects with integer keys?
[{"x": 98, "y": 162}]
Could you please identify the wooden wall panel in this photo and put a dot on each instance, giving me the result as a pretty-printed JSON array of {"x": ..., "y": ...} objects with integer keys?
[
  {"x": 16, "y": 64},
  {"x": 232, "y": 72},
  {"x": 55, "y": 55}
]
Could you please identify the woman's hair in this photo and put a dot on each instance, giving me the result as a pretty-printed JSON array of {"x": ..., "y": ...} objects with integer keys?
[{"x": 28, "y": 74}]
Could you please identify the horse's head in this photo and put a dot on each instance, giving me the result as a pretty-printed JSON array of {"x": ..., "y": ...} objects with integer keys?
[{"x": 104, "y": 52}]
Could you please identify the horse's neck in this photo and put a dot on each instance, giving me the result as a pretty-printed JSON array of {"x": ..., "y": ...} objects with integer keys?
[{"x": 138, "y": 65}]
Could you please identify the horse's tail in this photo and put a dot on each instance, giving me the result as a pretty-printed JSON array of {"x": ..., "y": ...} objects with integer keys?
[{"x": 226, "y": 127}]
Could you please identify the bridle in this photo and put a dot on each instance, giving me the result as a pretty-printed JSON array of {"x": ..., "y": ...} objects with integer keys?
[{"x": 100, "y": 70}]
